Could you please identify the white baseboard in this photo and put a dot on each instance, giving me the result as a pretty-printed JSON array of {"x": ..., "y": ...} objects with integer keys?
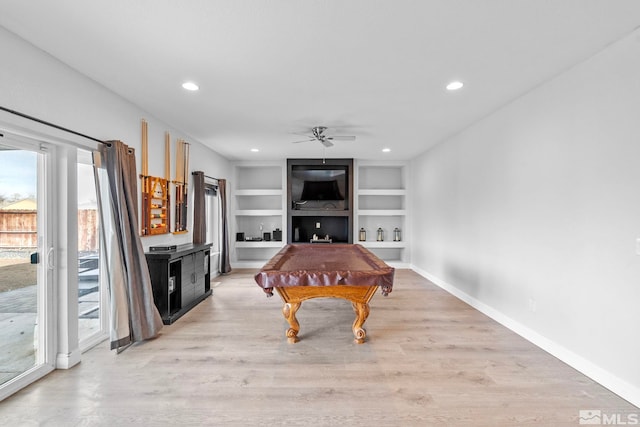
[
  {"x": 68, "y": 360},
  {"x": 617, "y": 385}
]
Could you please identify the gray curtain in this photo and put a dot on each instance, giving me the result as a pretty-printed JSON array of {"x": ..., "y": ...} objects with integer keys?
[
  {"x": 134, "y": 317},
  {"x": 225, "y": 265},
  {"x": 199, "y": 211}
]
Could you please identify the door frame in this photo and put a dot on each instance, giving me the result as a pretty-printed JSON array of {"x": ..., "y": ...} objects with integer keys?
[{"x": 46, "y": 326}]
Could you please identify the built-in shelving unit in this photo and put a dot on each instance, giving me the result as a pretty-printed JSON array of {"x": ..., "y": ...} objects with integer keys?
[
  {"x": 260, "y": 197},
  {"x": 381, "y": 203},
  {"x": 257, "y": 207}
]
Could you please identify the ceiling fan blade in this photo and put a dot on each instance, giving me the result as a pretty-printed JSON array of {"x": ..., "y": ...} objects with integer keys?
[
  {"x": 326, "y": 143},
  {"x": 342, "y": 138},
  {"x": 306, "y": 140}
]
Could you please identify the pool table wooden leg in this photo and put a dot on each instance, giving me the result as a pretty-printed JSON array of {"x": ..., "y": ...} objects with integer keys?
[
  {"x": 289, "y": 310},
  {"x": 362, "y": 312}
]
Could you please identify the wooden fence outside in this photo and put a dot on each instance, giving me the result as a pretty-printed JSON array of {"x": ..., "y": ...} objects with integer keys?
[
  {"x": 19, "y": 230},
  {"x": 88, "y": 230}
]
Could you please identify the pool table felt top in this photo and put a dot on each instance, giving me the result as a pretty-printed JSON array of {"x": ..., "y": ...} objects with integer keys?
[{"x": 324, "y": 265}]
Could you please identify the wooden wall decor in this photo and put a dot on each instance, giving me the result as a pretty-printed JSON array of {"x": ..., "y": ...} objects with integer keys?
[
  {"x": 181, "y": 182},
  {"x": 158, "y": 206},
  {"x": 155, "y": 216},
  {"x": 167, "y": 176}
]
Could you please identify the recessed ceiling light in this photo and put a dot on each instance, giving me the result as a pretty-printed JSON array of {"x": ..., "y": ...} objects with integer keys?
[
  {"x": 455, "y": 85},
  {"x": 190, "y": 86},
  {"x": 255, "y": 150},
  {"x": 386, "y": 150}
]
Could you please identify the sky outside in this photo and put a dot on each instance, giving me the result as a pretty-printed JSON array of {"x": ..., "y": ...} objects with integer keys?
[{"x": 18, "y": 173}]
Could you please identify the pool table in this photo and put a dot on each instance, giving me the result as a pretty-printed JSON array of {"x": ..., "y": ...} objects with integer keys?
[{"x": 299, "y": 272}]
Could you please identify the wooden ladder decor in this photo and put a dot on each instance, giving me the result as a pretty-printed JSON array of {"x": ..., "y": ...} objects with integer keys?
[
  {"x": 155, "y": 216},
  {"x": 182, "y": 168}
]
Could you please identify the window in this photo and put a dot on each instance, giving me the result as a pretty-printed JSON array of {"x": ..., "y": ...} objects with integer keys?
[
  {"x": 212, "y": 211},
  {"x": 92, "y": 313}
]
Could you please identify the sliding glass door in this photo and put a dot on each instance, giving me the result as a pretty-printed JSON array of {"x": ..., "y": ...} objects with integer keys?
[
  {"x": 92, "y": 315},
  {"x": 26, "y": 261}
]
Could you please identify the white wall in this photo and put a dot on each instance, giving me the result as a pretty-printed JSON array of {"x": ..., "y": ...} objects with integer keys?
[
  {"x": 532, "y": 215},
  {"x": 34, "y": 83}
]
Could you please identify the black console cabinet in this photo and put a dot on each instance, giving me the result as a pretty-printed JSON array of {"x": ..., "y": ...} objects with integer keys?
[{"x": 180, "y": 279}]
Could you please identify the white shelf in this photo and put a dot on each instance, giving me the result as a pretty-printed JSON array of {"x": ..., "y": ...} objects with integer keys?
[
  {"x": 376, "y": 244},
  {"x": 259, "y": 212},
  {"x": 382, "y": 212},
  {"x": 259, "y": 244},
  {"x": 259, "y": 192}
]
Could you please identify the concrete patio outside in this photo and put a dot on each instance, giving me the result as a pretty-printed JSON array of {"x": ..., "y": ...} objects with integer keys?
[{"x": 18, "y": 319}]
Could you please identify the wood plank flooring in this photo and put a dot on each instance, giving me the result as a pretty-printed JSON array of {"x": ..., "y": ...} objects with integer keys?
[{"x": 429, "y": 360}]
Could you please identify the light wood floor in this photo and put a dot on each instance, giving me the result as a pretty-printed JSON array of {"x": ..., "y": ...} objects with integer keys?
[{"x": 429, "y": 360}]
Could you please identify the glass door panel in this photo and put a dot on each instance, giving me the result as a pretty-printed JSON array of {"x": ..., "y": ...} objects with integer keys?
[
  {"x": 23, "y": 269},
  {"x": 90, "y": 297},
  {"x": 212, "y": 214}
]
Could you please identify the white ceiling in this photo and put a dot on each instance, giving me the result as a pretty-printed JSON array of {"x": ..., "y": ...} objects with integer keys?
[{"x": 270, "y": 68}]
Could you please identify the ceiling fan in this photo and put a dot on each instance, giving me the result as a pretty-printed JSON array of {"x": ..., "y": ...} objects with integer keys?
[{"x": 326, "y": 140}]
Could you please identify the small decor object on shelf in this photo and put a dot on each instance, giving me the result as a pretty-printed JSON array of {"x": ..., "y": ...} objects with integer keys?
[
  {"x": 162, "y": 248},
  {"x": 277, "y": 235},
  {"x": 380, "y": 236},
  {"x": 396, "y": 234},
  {"x": 317, "y": 239},
  {"x": 363, "y": 235},
  {"x": 239, "y": 237}
]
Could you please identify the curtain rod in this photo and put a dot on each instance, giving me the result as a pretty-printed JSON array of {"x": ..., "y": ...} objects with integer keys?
[
  {"x": 35, "y": 119},
  {"x": 206, "y": 176}
]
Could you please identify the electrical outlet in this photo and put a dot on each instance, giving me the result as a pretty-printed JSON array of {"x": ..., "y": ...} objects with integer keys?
[
  {"x": 533, "y": 305},
  {"x": 317, "y": 225},
  {"x": 638, "y": 246}
]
